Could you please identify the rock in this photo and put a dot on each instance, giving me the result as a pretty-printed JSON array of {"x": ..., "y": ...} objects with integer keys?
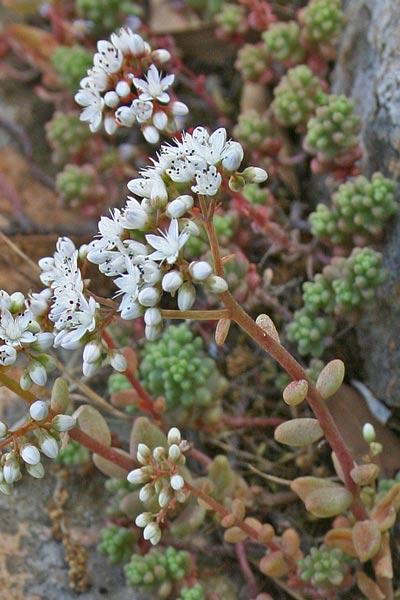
[{"x": 368, "y": 70}]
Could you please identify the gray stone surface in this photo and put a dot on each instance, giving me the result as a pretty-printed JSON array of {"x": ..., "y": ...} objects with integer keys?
[{"x": 368, "y": 70}]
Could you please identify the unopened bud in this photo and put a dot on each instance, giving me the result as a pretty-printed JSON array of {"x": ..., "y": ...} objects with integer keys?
[
  {"x": 36, "y": 471},
  {"x": 63, "y": 422},
  {"x": 49, "y": 445},
  {"x": 17, "y": 302},
  {"x": 144, "y": 519},
  {"x": 186, "y": 296},
  {"x": 138, "y": 476},
  {"x": 200, "y": 270},
  {"x": 174, "y": 436},
  {"x": 3, "y": 429},
  {"x": 151, "y": 134},
  {"x": 177, "y": 482},
  {"x": 37, "y": 372},
  {"x": 39, "y": 410},
  {"x": 30, "y": 454},
  {"x": 216, "y": 284},
  {"x": 92, "y": 352},
  {"x": 118, "y": 361},
  {"x": 254, "y": 175},
  {"x": 368, "y": 432}
]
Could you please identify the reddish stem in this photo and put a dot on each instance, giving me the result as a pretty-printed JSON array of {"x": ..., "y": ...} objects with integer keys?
[
  {"x": 106, "y": 452},
  {"x": 247, "y": 572},
  {"x": 147, "y": 404}
]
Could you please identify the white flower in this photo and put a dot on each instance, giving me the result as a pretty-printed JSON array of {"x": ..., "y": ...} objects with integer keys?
[
  {"x": 168, "y": 244},
  {"x": 142, "y": 109},
  {"x": 154, "y": 86},
  {"x": 127, "y": 41},
  {"x": 134, "y": 216},
  {"x": 108, "y": 57},
  {"x": 208, "y": 181},
  {"x": 15, "y": 331},
  {"x": 93, "y": 105}
]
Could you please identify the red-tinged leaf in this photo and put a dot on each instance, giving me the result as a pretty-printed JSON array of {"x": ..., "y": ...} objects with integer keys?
[
  {"x": 274, "y": 564},
  {"x": 125, "y": 398},
  {"x": 32, "y": 44},
  {"x": 368, "y": 587},
  {"x": 383, "y": 564},
  {"x": 109, "y": 468},
  {"x": 342, "y": 538},
  {"x": 328, "y": 502},
  {"x": 385, "y": 511},
  {"x": 93, "y": 423},
  {"x": 366, "y": 537}
]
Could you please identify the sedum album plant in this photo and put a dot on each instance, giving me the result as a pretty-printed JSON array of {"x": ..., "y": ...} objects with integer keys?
[{"x": 166, "y": 254}]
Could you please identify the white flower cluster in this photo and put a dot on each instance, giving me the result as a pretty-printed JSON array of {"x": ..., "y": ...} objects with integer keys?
[
  {"x": 27, "y": 451},
  {"x": 74, "y": 314},
  {"x": 163, "y": 481},
  {"x": 125, "y": 87},
  {"x": 196, "y": 166},
  {"x": 21, "y": 332}
]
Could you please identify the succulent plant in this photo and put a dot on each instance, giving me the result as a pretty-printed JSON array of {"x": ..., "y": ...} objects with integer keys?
[
  {"x": 158, "y": 569},
  {"x": 360, "y": 208},
  {"x": 71, "y": 64},
  {"x": 334, "y": 129},
  {"x": 252, "y": 61},
  {"x": 117, "y": 543},
  {"x": 75, "y": 184},
  {"x": 73, "y": 455},
  {"x": 66, "y": 135},
  {"x": 176, "y": 367},
  {"x": 282, "y": 41},
  {"x": 322, "y": 21},
  {"x": 297, "y": 97},
  {"x": 324, "y": 566},
  {"x": 309, "y": 331},
  {"x": 231, "y": 19},
  {"x": 106, "y": 15},
  {"x": 195, "y": 592}
]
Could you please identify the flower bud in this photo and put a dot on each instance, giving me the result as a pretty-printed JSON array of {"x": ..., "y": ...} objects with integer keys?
[
  {"x": 149, "y": 296},
  {"x": 179, "y": 109},
  {"x": 254, "y": 175},
  {"x": 174, "y": 436},
  {"x": 153, "y": 317},
  {"x": 37, "y": 372},
  {"x": 152, "y": 532},
  {"x": 117, "y": 361},
  {"x": 152, "y": 332},
  {"x": 44, "y": 341},
  {"x": 186, "y": 296},
  {"x": 172, "y": 281},
  {"x": 132, "y": 311},
  {"x": 3, "y": 429},
  {"x": 11, "y": 469},
  {"x": 144, "y": 519},
  {"x": 83, "y": 251},
  {"x": 216, "y": 284},
  {"x": 146, "y": 492},
  {"x": 110, "y": 124},
  {"x": 234, "y": 156},
  {"x": 200, "y": 270},
  {"x": 137, "y": 45},
  {"x": 122, "y": 88},
  {"x": 143, "y": 454},
  {"x": 92, "y": 352},
  {"x": 138, "y": 476},
  {"x": 5, "y": 488},
  {"x": 174, "y": 453},
  {"x": 160, "y": 120},
  {"x": 177, "y": 482},
  {"x": 159, "y": 453},
  {"x": 111, "y": 99},
  {"x": 63, "y": 422},
  {"x": 48, "y": 445},
  {"x": 236, "y": 183},
  {"x": 39, "y": 410},
  {"x": 151, "y": 134},
  {"x": 165, "y": 496},
  {"x": 17, "y": 302},
  {"x": 30, "y": 454},
  {"x": 161, "y": 55},
  {"x": 36, "y": 471},
  {"x": 125, "y": 116},
  {"x": 8, "y": 355},
  {"x": 25, "y": 381},
  {"x": 368, "y": 432}
]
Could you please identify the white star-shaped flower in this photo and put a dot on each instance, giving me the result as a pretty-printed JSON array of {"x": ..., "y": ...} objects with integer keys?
[
  {"x": 208, "y": 182},
  {"x": 168, "y": 244},
  {"x": 154, "y": 86}
]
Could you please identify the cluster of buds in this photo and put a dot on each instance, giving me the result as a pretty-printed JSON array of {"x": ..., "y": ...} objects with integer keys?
[
  {"x": 40, "y": 433},
  {"x": 254, "y": 63},
  {"x": 198, "y": 166},
  {"x": 161, "y": 475},
  {"x": 125, "y": 87},
  {"x": 282, "y": 41}
]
